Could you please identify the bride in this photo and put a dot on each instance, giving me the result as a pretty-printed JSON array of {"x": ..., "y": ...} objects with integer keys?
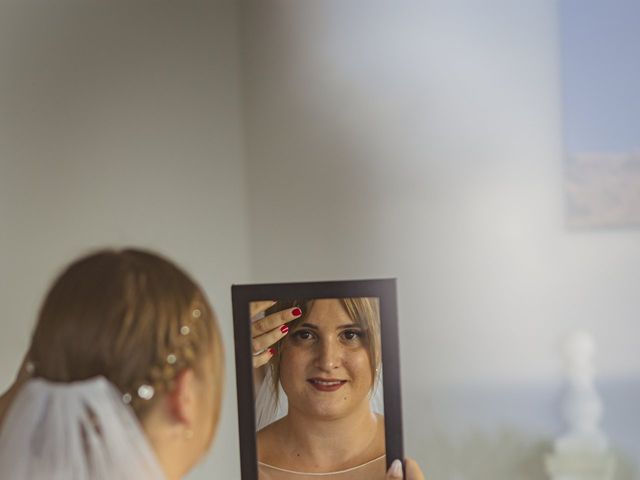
[
  {"x": 123, "y": 378},
  {"x": 327, "y": 361}
]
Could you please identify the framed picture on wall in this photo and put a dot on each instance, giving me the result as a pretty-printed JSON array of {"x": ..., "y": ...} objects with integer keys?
[{"x": 600, "y": 70}]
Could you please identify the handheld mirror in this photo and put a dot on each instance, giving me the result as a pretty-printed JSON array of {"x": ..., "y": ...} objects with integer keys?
[{"x": 318, "y": 379}]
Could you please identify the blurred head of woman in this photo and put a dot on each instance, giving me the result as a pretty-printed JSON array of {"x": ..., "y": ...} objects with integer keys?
[{"x": 142, "y": 326}]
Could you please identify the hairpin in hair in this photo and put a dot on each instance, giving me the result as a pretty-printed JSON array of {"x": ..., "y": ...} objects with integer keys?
[
  {"x": 185, "y": 329},
  {"x": 144, "y": 392}
]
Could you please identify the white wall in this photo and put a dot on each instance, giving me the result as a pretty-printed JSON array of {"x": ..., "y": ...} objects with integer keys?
[
  {"x": 120, "y": 125},
  {"x": 421, "y": 140}
]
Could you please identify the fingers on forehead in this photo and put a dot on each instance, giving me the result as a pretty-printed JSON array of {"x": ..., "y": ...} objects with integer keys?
[
  {"x": 274, "y": 320},
  {"x": 261, "y": 359},
  {"x": 260, "y": 306},
  {"x": 264, "y": 341}
]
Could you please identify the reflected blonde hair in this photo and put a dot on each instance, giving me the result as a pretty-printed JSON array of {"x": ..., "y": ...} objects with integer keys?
[
  {"x": 119, "y": 314},
  {"x": 363, "y": 311}
]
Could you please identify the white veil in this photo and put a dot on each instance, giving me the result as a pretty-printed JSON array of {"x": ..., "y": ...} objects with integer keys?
[{"x": 74, "y": 431}]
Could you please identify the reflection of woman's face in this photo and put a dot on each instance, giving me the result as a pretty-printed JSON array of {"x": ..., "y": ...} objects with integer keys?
[{"x": 325, "y": 369}]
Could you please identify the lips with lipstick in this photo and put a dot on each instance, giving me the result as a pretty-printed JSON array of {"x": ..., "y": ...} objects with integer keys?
[{"x": 326, "y": 384}]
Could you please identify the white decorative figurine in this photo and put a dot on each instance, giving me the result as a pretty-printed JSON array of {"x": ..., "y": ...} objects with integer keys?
[{"x": 582, "y": 452}]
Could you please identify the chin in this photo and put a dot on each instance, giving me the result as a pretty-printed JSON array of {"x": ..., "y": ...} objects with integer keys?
[
  {"x": 329, "y": 413},
  {"x": 330, "y": 409}
]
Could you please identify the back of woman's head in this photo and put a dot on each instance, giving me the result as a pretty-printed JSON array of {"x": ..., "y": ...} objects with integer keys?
[{"x": 130, "y": 316}]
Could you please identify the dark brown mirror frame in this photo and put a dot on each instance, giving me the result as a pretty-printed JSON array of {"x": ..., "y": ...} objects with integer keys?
[{"x": 383, "y": 289}]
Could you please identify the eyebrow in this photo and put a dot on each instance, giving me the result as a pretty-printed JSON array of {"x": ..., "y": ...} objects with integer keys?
[{"x": 341, "y": 327}]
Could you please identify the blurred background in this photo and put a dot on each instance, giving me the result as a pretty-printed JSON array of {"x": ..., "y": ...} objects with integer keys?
[{"x": 266, "y": 141}]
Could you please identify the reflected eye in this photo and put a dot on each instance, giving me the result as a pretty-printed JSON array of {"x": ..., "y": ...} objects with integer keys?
[
  {"x": 302, "y": 335},
  {"x": 352, "y": 335}
]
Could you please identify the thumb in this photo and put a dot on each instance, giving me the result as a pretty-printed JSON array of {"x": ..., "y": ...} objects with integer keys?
[
  {"x": 395, "y": 471},
  {"x": 413, "y": 470}
]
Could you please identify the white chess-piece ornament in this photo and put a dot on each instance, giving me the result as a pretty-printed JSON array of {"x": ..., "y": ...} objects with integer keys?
[
  {"x": 582, "y": 452},
  {"x": 582, "y": 407}
]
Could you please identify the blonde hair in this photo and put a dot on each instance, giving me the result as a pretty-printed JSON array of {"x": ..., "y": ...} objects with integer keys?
[
  {"x": 131, "y": 316},
  {"x": 363, "y": 311}
]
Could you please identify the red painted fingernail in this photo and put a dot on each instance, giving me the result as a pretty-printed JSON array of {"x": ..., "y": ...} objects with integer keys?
[
  {"x": 272, "y": 351},
  {"x": 296, "y": 312},
  {"x": 284, "y": 328}
]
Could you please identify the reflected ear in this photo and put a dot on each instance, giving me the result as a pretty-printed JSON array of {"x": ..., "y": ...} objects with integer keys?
[{"x": 182, "y": 398}]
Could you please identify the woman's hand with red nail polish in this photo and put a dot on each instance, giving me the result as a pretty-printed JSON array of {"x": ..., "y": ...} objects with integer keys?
[{"x": 267, "y": 330}]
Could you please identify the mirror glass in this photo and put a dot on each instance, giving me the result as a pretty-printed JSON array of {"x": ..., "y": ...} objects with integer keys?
[{"x": 317, "y": 374}]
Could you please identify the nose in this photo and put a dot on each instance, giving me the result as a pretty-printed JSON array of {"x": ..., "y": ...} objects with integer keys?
[{"x": 328, "y": 355}]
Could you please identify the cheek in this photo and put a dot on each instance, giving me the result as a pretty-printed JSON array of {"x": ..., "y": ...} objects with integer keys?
[
  {"x": 357, "y": 363},
  {"x": 292, "y": 363},
  {"x": 209, "y": 407}
]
